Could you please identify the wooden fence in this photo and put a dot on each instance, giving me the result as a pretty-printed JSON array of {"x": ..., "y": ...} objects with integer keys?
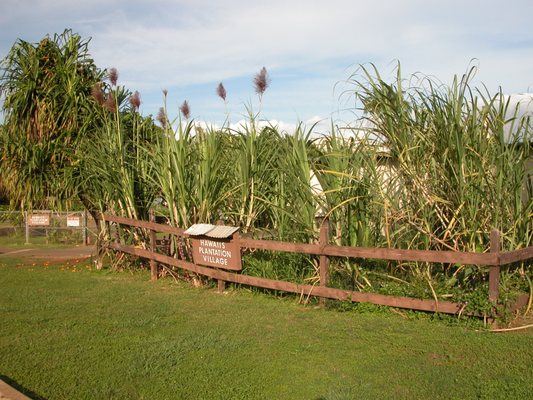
[{"x": 492, "y": 260}]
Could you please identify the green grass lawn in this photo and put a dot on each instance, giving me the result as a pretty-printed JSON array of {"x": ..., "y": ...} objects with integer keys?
[{"x": 70, "y": 332}]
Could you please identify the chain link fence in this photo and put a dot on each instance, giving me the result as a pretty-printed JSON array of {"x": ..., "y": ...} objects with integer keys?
[{"x": 46, "y": 227}]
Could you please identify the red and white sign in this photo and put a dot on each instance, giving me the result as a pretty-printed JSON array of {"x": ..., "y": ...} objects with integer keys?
[{"x": 73, "y": 220}]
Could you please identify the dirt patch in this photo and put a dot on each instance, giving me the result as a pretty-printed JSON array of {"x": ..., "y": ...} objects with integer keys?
[
  {"x": 523, "y": 321},
  {"x": 8, "y": 392},
  {"x": 51, "y": 254}
]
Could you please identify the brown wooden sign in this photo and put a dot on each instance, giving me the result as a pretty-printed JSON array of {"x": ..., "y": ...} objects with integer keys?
[
  {"x": 39, "y": 219},
  {"x": 219, "y": 253}
]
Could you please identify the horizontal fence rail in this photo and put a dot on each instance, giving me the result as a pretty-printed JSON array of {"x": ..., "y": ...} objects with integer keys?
[
  {"x": 516, "y": 256},
  {"x": 447, "y": 257},
  {"x": 302, "y": 289},
  {"x": 493, "y": 260},
  {"x": 144, "y": 224}
]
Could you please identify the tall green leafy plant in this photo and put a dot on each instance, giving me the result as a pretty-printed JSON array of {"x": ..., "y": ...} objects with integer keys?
[
  {"x": 46, "y": 87},
  {"x": 173, "y": 160},
  {"x": 457, "y": 175},
  {"x": 115, "y": 162},
  {"x": 348, "y": 171}
]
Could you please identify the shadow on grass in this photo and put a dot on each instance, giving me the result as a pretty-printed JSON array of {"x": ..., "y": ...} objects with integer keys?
[{"x": 21, "y": 389}]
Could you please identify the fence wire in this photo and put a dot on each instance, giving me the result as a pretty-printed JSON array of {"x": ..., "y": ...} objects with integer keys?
[{"x": 68, "y": 227}]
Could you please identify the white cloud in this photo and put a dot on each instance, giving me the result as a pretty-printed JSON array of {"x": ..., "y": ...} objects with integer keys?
[
  {"x": 233, "y": 41},
  {"x": 281, "y": 126},
  {"x": 180, "y": 44}
]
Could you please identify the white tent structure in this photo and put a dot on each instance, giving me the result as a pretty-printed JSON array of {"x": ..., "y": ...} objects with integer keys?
[{"x": 519, "y": 110}]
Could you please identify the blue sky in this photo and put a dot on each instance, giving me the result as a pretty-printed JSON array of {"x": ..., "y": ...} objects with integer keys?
[{"x": 309, "y": 48}]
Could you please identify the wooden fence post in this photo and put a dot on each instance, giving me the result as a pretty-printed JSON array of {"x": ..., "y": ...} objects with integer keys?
[
  {"x": 85, "y": 236},
  {"x": 101, "y": 226},
  {"x": 323, "y": 264},
  {"x": 494, "y": 270},
  {"x": 153, "y": 239},
  {"x": 26, "y": 216}
]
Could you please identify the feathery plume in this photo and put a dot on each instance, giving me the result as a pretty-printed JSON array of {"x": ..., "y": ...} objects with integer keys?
[
  {"x": 162, "y": 118},
  {"x": 135, "y": 100},
  {"x": 261, "y": 82},
  {"x": 185, "y": 110},
  {"x": 113, "y": 76},
  {"x": 221, "y": 91},
  {"x": 110, "y": 103},
  {"x": 97, "y": 93}
]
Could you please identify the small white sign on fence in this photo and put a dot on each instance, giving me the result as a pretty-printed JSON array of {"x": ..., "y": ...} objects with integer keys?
[{"x": 73, "y": 220}]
